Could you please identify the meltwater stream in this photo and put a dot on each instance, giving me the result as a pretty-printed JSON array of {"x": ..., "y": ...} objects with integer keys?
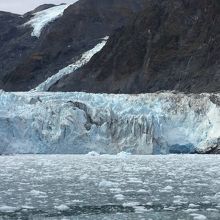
[{"x": 110, "y": 187}]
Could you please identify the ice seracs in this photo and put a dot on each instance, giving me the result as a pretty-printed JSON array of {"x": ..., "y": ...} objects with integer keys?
[
  {"x": 85, "y": 58},
  {"x": 42, "y": 18},
  {"x": 44, "y": 122}
]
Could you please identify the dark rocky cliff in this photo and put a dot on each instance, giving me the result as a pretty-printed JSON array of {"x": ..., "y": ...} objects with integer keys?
[
  {"x": 81, "y": 27},
  {"x": 154, "y": 45},
  {"x": 171, "y": 45},
  {"x": 14, "y": 42}
]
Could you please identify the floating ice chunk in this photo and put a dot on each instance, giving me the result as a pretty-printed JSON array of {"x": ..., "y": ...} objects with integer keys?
[
  {"x": 65, "y": 218},
  {"x": 75, "y": 201},
  {"x": 107, "y": 184},
  {"x": 142, "y": 191},
  {"x": 134, "y": 180},
  {"x": 191, "y": 205},
  {"x": 93, "y": 154},
  {"x": 42, "y": 18},
  {"x": 123, "y": 154},
  {"x": 212, "y": 210},
  {"x": 27, "y": 207},
  {"x": 84, "y": 176},
  {"x": 167, "y": 189},
  {"x": 37, "y": 193},
  {"x": 198, "y": 216},
  {"x": 140, "y": 209},
  {"x": 217, "y": 195},
  {"x": 119, "y": 197},
  {"x": 170, "y": 208},
  {"x": 131, "y": 204},
  {"x": 206, "y": 202},
  {"x": 62, "y": 207},
  {"x": 116, "y": 190},
  {"x": 6, "y": 208},
  {"x": 191, "y": 210}
]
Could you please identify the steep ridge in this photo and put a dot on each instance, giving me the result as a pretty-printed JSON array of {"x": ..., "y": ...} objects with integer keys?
[
  {"x": 156, "y": 123},
  {"x": 172, "y": 45},
  {"x": 38, "y": 9},
  {"x": 79, "y": 29}
]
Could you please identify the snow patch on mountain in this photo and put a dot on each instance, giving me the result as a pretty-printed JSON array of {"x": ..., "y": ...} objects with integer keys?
[
  {"x": 85, "y": 58},
  {"x": 157, "y": 123},
  {"x": 42, "y": 18}
]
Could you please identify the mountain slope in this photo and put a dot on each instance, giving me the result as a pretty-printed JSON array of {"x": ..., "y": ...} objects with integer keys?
[
  {"x": 172, "y": 45},
  {"x": 82, "y": 26},
  {"x": 16, "y": 43}
]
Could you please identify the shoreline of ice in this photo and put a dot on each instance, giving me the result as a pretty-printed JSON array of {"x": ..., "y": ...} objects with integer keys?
[{"x": 78, "y": 123}]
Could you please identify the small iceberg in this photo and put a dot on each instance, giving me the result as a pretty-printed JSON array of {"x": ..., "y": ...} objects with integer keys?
[{"x": 93, "y": 154}]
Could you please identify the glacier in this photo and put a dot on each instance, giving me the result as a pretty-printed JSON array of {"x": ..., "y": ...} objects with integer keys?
[
  {"x": 78, "y": 123},
  {"x": 42, "y": 18},
  {"x": 84, "y": 59}
]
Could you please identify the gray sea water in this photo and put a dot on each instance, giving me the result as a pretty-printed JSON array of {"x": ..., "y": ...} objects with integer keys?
[{"x": 110, "y": 187}]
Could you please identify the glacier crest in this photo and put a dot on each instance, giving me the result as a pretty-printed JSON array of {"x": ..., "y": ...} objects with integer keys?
[{"x": 42, "y": 18}]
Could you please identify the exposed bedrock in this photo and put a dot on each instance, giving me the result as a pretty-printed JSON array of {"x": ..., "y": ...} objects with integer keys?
[
  {"x": 29, "y": 56},
  {"x": 171, "y": 45}
]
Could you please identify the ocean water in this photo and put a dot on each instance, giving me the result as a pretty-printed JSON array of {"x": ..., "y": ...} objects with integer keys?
[{"x": 110, "y": 187}]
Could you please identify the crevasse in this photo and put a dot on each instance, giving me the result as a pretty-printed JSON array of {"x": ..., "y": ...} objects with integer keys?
[{"x": 157, "y": 123}]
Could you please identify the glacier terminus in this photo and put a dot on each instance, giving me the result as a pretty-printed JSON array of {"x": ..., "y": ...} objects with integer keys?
[{"x": 78, "y": 123}]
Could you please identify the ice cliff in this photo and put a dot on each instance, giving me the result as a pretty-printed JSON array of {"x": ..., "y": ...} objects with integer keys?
[{"x": 42, "y": 122}]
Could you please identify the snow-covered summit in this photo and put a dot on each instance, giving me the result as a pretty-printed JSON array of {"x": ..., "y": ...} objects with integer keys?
[{"x": 42, "y": 18}]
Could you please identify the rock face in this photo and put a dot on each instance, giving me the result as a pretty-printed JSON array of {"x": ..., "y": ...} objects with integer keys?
[
  {"x": 171, "y": 45},
  {"x": 154, "y": 45},
  {"x": 31, "y": 60},
  {"x": 14, "y": 42},
  {"x": 156, "y": 123}
]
